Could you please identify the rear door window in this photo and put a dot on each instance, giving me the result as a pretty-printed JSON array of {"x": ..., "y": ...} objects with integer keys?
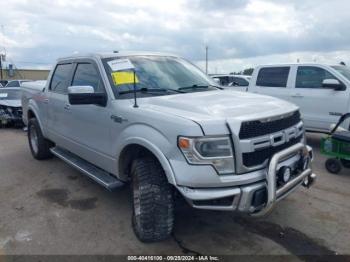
[
  {"x": 273, "y": 77},
  {"x": 311, "y": 77},
  {"x": 61, "y": 77}
]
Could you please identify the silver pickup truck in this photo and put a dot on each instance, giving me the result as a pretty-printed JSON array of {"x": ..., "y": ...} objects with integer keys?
[{"x": 158, "y": 123}]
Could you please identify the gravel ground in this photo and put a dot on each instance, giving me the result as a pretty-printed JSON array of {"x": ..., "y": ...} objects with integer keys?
[{"x": 49, "y": 208}]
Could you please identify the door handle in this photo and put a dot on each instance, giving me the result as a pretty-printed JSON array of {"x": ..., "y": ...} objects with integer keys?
[
  {"x": 46, "y": 101},
  {"x": 67, "y": 107},
  {"x": 118, "y": 119},
  {"x": 297, "y": 96}
]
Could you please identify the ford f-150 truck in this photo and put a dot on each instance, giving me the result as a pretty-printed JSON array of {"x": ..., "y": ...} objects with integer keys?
[{"x": 158, "y": 123}]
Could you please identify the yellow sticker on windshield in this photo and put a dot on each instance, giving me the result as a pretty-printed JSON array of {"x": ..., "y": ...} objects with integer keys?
[{"x": 124, "y": 78}]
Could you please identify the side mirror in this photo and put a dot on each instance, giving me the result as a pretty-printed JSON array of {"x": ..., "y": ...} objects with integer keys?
[
  {"x": 85, "y": 95},
  {"x": 334, "y": 84}
]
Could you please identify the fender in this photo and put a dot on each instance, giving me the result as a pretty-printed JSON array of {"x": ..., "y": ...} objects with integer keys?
[
  {"x": 34, "y": 108},
  {"x": 158, "y": 154},
  {"x": 152, "y": 139}
]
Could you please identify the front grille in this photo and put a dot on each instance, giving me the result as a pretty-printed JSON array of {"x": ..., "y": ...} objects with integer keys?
[
  {"x": 257, "y": 128},
  {"x": 17, "y": 112},
  {"x": 260, "y": 156}
]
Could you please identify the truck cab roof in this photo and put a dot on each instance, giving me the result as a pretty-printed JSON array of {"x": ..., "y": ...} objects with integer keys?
[
  {"x": 102, "y": 55},
  {"x": 296, "y": 64}
]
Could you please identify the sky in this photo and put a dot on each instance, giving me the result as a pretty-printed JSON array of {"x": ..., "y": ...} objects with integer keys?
[{"x": 239, "y": 33}]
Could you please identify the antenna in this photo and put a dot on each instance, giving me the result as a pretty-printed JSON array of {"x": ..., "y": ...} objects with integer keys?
[
  {"x": 206, "y": 59},
  {"x": 135, "y": 96},
  {"x": 1, "y": 67}
]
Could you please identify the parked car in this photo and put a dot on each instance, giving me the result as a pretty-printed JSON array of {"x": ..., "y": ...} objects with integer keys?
[
  {"x": 322, "y": 92},
  {"x": 159, "y": 123},
  {"x": 3, "y": 83},
  {"x": 232, "y": 80},
  {"x": 10, "y": 107},
  {"x": 16, "y": 83}
]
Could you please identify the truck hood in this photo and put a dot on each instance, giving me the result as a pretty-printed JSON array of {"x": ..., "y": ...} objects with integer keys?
[
  {"x": 11, "y": 103},
  {"x": 213, "y": 110}
]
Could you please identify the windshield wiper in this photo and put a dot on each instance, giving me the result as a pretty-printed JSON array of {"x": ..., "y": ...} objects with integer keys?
[
  {"x": 151, "y": 91},
  {"x": 197, "y": 87}
]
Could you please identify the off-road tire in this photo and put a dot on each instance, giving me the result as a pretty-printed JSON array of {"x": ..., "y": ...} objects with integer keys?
[
  {"x": 42, "y": 150},
  {"x": 333, "y": 166},
  {"x": 153, "y": 201}
]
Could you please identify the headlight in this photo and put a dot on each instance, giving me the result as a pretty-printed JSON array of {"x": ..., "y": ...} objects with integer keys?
[{"x": 215, "y": 151}]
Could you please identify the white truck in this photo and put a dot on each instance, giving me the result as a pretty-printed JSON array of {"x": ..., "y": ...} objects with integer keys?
[
  {"x": 321, "y": 92},
  {"x": 158, "y": 123}
]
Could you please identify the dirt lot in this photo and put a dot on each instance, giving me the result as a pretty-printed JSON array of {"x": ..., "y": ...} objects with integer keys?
[{"x": 49, "y": 208}]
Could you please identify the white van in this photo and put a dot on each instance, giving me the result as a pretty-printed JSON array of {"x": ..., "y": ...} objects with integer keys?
[{"x": 321, "y": 91}]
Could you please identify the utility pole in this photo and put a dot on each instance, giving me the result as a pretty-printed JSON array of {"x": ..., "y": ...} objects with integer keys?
[
  {"x": 3, "y": 36},
  {"x": 1, "y": 67},
  {"x": 206, "y": 59}
]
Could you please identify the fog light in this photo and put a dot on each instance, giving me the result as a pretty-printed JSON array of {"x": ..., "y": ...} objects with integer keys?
[{"x": 284, "y": 174}]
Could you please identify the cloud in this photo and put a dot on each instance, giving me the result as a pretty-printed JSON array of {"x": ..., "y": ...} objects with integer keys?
[
  {"x": 39, "y": 31},
  {"x": 218, "y": 5}
]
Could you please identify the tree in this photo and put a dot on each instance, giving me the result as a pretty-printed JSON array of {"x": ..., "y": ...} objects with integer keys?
[{"x": 248, "y": 71}]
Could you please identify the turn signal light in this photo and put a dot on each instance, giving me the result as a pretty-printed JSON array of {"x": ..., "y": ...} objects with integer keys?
[{"x": 184, "y": 143}]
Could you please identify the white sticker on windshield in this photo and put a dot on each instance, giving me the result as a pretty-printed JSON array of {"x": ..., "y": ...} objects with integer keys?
[
  {"x": 120, "y": 64},
  {"x": 3, "y": 95}
]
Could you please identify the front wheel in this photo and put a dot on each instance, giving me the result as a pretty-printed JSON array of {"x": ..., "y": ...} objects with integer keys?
[
  {"x": 153, "y": 202},
  {"x": 333, "y": 166},
  {"x": 39, "y": 145}
]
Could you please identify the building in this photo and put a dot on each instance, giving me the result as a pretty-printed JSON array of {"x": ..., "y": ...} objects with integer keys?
[{"x": 32, "y": 74}]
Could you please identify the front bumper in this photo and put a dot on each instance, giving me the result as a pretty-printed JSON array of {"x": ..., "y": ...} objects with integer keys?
[
  {"x": 10, "y": 115},
  {"x": 245, "y": 198}
]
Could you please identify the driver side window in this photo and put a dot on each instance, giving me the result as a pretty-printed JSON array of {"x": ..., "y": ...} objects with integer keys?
[
  {"x": 87, "y": 75},
  {"x": 311, "y": 77}
]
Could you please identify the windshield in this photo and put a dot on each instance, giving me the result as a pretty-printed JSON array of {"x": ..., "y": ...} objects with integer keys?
[
  {"x": 159, "y": 75},
  {"x": 344, "y": 70},
  {"x": 10, "y": 94}
]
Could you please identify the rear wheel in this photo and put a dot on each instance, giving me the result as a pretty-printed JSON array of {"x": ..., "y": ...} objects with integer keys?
[
  {"x": 39, "y": 145},
  {"x": 333, "y": 166},
  {"x": 153, "y": 203}
]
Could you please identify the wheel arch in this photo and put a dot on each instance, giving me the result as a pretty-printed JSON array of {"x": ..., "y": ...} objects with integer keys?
[
  {"x": 138, "y": 147},
  {"x": 32, "y": 112}
]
